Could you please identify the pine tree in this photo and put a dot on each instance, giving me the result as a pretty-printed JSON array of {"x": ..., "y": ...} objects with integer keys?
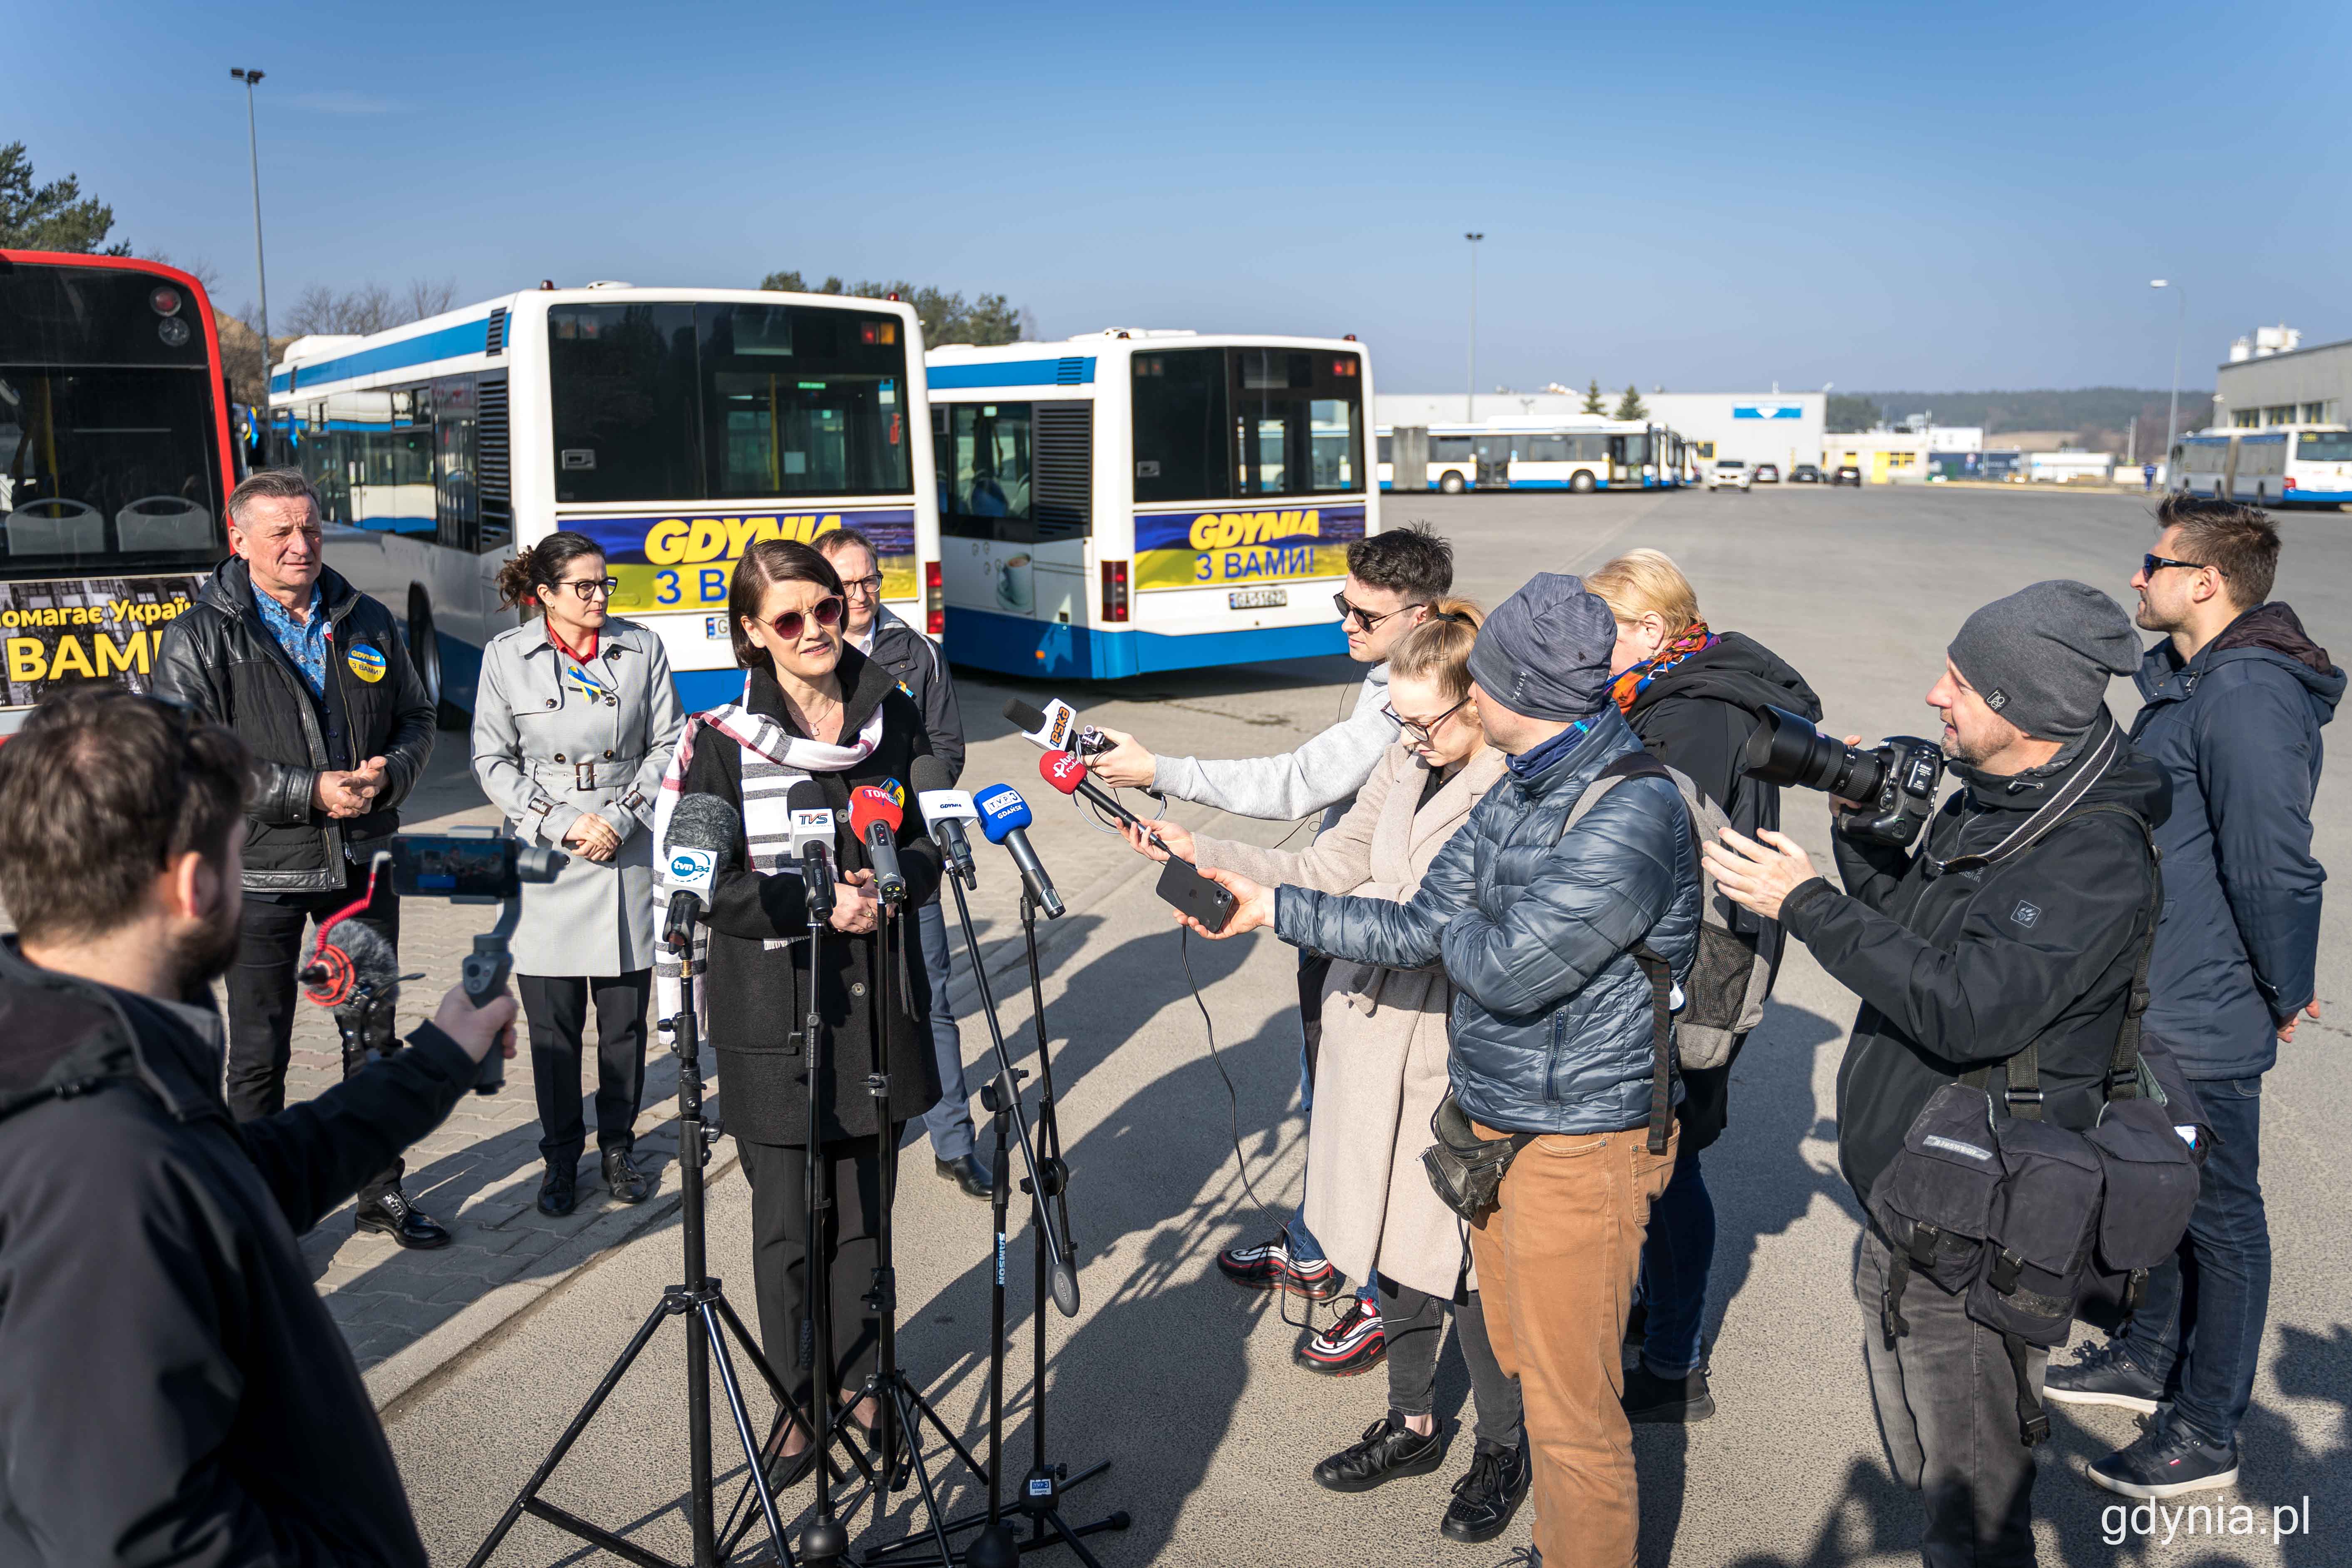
[
  {"x": 1592, "y": 403},
  {"x": 54, "y": 217},
  {"x": 947, "y": 317},
  {"x": 1631, "y": 405}
]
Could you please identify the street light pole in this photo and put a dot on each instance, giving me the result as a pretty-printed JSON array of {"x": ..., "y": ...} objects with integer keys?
[
  {"x": 2172, "y": 415},
  {"x": 1470, "y": 404},
  {"x": 252, "y": 79}
]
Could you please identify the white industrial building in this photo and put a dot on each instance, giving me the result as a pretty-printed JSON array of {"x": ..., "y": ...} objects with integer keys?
[
  {"x": 1783, "y": 427},
  {"x": 2274, "y": 380}
]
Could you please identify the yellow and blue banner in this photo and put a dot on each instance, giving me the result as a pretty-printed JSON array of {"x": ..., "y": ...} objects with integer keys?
[
  {"x": 684, "y": 562},
  {"x": 1198, "y": 549}
]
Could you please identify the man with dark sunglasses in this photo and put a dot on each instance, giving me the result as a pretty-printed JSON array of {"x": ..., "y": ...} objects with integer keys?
[{"x": 1394, "y": 578}]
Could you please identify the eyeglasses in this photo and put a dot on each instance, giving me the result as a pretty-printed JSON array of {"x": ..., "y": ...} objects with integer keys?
[
  {"x": 1363, "y": 618},
  {"x": 826, "y": 613},
  {"x": 865, "y": 587},
  {"x": 1421, "y": 730},
  {"x": 2149, "y": 565},
  {"x": 593, "y": 587}
]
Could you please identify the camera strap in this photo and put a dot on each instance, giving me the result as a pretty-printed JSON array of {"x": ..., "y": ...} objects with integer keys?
[{"x": 2049, "y": 814}]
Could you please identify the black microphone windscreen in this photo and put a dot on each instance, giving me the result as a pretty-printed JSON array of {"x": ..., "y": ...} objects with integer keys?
[
  {"x": 926, "y": 774},
  {"x": 806, "y": 795},
  {"x": 1023, "y": 716},
  {"x": 703, "y": 822},
  {"x": 374, "y": 963}
]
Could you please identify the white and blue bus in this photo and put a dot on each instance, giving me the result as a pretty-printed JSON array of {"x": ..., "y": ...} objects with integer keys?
[
  {"x": 674, "y": 426},
  {"x": 1516, "y": 452},
  {"x": 1139, "y": 501},
  {"x": 2279, "y": 466}
]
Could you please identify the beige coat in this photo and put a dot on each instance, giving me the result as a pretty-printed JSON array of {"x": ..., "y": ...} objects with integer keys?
[{"x": 1381, "y": 1070}]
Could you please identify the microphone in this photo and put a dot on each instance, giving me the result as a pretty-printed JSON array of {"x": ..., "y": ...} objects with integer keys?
[
  {"x": 945, "y": 811},
  {"x": 702, "y": 830},
  {"x": 1066, "y": 773},
  {"x": 1003, "y": 815},
  {"x": 354, "y": 973},
  {"x": 813, "y": 836},
  {"x": 1051, "y": 728},
  {"x": 875, "y": 813}
]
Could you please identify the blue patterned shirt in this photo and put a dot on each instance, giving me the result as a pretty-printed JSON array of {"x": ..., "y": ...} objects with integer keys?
[{"x": 305, "y": 642}]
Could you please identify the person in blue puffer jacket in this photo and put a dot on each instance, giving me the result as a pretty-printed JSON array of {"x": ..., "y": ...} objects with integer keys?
[{"x": 1536, "y": 924}]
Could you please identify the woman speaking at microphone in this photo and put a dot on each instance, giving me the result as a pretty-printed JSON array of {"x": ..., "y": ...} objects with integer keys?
[{"x": 813, "y": 708}]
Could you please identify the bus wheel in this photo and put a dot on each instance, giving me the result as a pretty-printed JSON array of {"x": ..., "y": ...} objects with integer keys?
[
  {"x": 1581, "y": 482},
  {"x": 1450, "y": 483},
  {"x": 424, "y": 652}
]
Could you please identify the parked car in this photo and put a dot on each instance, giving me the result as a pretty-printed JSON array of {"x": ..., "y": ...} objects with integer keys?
[
  {"x": 1804, "y": 474},
  {"x": 1847, "y": 474},
  {"x": 1767, "y": 473},
  {"x": 1729, "y": 471}
]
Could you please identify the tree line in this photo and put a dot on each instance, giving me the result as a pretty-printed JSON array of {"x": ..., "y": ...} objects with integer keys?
[{"x": 947, "y": 317}]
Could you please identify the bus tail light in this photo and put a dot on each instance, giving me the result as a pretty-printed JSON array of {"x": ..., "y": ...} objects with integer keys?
[
  {"x": 2285, "y": 485},
  {"x": 1114, "y": 590},
  {"x": 935, "y": 601}
]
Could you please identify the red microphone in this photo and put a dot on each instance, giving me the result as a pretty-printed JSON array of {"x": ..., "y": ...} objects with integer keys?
[
  {"x": 1066, "y": 773},
  {"x": 875, "y": 813}
]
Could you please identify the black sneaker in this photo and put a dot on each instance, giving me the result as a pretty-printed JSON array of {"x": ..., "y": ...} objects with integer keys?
[
  {"x": 2104, "y": 1374},
  {"x": 1268, "y": 1266},
  {"x": 2167, "y": 1460},
  {"x": 1649, "y": 1397},
  {"x": 1485, "y": 1499},
  {"x": 1357, "y": 1343},
  {"x": 1389, "y": 1448}
]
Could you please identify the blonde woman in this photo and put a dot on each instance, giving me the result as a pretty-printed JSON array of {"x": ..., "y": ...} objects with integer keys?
[{"x": 1381, "y": 1074}]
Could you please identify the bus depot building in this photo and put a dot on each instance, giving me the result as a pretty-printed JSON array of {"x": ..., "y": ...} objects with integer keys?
[
  {"x": 2301, "y": 386},
  {"x": 1755, "y": 428}
]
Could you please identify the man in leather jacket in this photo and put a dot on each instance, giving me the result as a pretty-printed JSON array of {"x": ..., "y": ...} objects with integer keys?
[{"x": 311, "y": 674}]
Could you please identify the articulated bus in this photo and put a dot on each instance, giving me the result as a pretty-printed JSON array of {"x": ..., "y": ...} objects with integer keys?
[
  {"x": 2297, "y": 465},
  {"x": 1519, "y": 454},
  {"x": 1144, "y": 500},
  {"x": 673, "y": 426},
  {"x": 115, "y": 459}
]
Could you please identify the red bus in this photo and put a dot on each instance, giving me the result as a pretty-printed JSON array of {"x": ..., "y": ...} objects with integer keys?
[{"x": 116, "y": 457}]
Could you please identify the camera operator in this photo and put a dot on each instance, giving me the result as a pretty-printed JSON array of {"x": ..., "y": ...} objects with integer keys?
[
  {"x": 311, "y": 675},
  {"x": 1964, "y": 968},
  {"x": 1394, "y": 579},
  {"x": 1555, "y": 1040},
  {"x": 172, "y": 1387},
  {"x": 922, "y": 674}
]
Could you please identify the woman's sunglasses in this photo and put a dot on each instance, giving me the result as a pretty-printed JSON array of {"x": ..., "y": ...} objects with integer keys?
[{"x": 826, "y": 613}]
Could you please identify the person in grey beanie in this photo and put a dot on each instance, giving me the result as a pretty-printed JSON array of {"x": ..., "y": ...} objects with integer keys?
[
  {"x": 1536, "y": 909},
  {"x": 1963, "y": 965}
]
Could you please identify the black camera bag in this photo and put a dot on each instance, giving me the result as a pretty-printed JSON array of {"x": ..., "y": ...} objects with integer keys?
[{"x": 1465, "y": 1169}]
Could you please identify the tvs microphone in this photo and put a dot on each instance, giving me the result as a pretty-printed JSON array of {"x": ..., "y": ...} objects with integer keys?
[
  {"x": 875, "y": 813},
  {"x": 945, "y": 811},
  {"x": 814, "y": 834},
  {"x": 1003, "y": 816}
]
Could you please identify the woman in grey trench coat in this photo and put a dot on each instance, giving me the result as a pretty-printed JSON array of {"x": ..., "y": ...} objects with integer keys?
[{"x": 573, "y": 725}]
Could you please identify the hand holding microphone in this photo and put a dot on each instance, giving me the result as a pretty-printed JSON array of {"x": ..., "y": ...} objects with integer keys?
[{"x": 1066, "y": 773}]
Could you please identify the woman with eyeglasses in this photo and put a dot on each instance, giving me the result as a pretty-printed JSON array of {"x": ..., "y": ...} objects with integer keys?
[
  {"x": 574, "y": 721},
  {"x": 813, "y": 708},
  {"x": 1381, "y": 1075}
]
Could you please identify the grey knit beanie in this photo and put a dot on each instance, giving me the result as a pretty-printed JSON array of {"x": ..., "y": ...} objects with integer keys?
[
  {"x": 1545, "y": 651},
  {"x": 2042, "y": 656}
]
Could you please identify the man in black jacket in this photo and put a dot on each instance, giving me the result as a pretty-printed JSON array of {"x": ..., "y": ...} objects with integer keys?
[
  {"x": 172, "y": 1387},
  {"x": 1989, "y": 938},
  {"x": 311, "y": 675}
]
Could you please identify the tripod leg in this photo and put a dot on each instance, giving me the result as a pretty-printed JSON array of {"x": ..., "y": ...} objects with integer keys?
[
  {"x": 922, "y": 1476},
  {"x": 708, "y": 1324},
  {"x": 571, "y": 1434}
]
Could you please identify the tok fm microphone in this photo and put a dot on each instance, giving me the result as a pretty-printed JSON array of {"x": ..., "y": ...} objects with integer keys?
[
  {"x": 1003, "y": 815},
  {"x": 702, "y": 830},
  {"x": 945, "y": 811},
  {"x": 1066, "y": 773},
  {"x": 813, "y": 837},
  {"x": 875, "y": 813}
]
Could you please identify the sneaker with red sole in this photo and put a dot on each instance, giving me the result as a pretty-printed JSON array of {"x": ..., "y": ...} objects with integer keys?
[
  {"x": 1268, "y": 1266},
  {"x": 1355, "y": 1343}
]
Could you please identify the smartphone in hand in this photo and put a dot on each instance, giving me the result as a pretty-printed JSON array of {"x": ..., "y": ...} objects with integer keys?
[{"x": 1183, "y": 887}]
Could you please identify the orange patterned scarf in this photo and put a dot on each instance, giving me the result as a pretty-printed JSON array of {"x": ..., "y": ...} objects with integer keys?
[{"x": 1634, "y": 681}]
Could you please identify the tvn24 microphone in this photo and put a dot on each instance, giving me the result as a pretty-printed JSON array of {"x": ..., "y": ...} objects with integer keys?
[
  {"x": 875, "y": 813},
  {"x": 814, "y": 836},
  {"x": 702, "y": 830},
  {"x": 945, "y": 811},
  {"x": 1003, "y": 815},
  {"x": 1066, "y": 773}
]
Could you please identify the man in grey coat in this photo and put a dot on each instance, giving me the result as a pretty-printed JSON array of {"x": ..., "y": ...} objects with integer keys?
[{"x": 1394, "y": 579}]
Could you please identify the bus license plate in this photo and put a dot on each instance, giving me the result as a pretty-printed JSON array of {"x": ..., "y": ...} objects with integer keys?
[{"x": 1258, "y": 598}]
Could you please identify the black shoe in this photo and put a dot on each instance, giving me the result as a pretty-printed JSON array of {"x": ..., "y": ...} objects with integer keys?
[
  {"x": 968, "y": 1174},
  {"x": 2104, "y": 1374},
  {"x": 1649, "y": 1397},
  {"x": 783, "y": 1474},
  {"x": 558, "y": 1189},
  {"x": 1389, "y": 1449},
  {"x": 624, "y": 1180},
  {"x": 2168, "y": 1460},
  {"x": 1485, "y": 1499},
  {"x": 391, "y": 1216}
]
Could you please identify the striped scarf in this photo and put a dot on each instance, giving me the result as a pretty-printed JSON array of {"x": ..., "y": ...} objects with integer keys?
[
  {"x": 1636, "y": 680},
  {"x": 774, "y": 759}
]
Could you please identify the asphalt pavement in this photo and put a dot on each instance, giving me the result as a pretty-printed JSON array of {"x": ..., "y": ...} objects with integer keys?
[{"x": 1187, "y": 1386}]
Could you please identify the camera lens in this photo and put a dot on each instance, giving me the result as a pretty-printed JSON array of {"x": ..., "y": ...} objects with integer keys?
[{"x": 1786, "y": 749}]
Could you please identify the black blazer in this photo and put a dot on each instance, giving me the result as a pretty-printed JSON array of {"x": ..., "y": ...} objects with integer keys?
[{"x": 757, "y": 999}]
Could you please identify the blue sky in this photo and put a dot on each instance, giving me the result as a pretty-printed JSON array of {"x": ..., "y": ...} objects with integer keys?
[{"x": 1702, "y": 196}]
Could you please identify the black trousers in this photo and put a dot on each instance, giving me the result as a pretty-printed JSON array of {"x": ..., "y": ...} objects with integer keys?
[
  {"x": 557, "y": 1008},
  {"x": 851, "y": 1239},
  {"x": 1413, "y": 1323},
  {"x": 269, "y": 950}
]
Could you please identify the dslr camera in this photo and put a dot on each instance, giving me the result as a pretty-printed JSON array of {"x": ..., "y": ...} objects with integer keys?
[{"x": 1893, "y": 783}]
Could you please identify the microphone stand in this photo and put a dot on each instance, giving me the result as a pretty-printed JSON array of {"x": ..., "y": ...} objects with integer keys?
[
  {"x": 824, "y": 1540},
  {"x": 704, "y": 1306}
]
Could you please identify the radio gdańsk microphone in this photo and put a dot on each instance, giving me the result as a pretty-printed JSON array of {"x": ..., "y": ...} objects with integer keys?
[
  {"x": 1003, "y": 815},
  {"x": 875, "y": 813},
  {"x": 813, "y": 835},
  {"x": 1066, "y": 773},
  {"x": 702, "y": 830},
  {"x": 945, "y": 811}
]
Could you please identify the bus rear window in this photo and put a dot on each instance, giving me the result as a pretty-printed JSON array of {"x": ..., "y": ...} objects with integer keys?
[
  {"x": 2323, "y": 446},
  {"x": 106, "y": 468},
  {"x": 1229, "y": 424}
]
